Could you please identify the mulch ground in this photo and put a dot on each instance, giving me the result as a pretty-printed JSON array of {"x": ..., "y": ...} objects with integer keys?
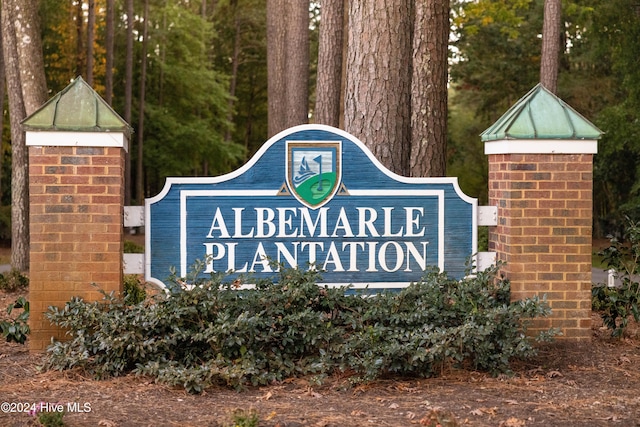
[{"x": 591, "y": 384}]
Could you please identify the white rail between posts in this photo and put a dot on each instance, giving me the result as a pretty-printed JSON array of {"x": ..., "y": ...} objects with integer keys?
[
  {"x": 133, "y": 263},
  {"x": 134, "y": 217},
  {"x": 487, "y": 217}
]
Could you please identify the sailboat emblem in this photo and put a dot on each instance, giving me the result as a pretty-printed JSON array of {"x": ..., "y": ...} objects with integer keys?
[{"x": 313, "y": 171}]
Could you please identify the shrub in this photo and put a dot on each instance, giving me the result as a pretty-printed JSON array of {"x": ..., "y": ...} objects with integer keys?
[
  {"x": 13, "y": 281},
  {"x": 48, "y": 415},
  {"x": 17, "y": 329},
  {"x": 133, "y": 290},
  {"x": 243, "y": 418},
  {"x": 616, "y": 304},
  {"x": 131, "y": 247},
  {"x": 215, "y": 333}
]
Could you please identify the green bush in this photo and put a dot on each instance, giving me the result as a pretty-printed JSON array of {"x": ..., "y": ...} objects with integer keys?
[
  {"x": 13, "y": 281},
  {"x": 17, "y": 329},
  {"x": 131, "y": 247},
  {"x": 617, "y": 304},
  {"x": 134, "y": 292},
  {"x": 48, "y": 415},
  {"x": 51, "y": 419},
  {"x": 243, "y": 418},
  {"x": 217, "y": 334}
]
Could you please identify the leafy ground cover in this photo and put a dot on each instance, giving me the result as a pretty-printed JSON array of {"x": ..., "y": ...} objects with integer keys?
[
  {"x": 590, "y": 384},
  {"x": 217, "y": 334}
]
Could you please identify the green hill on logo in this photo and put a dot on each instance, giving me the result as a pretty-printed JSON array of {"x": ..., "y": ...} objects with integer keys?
[{"x": 315, "y": 189}]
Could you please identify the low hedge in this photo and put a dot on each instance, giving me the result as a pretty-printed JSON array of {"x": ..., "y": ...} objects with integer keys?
[{"x": 214, "y": 333}]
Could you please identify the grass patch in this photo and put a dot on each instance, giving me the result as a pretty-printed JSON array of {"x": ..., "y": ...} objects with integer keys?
[{"x": 597, "y": 261}]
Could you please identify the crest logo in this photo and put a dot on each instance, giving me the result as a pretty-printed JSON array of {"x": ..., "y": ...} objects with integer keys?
[{"x": 314, "y": 171}]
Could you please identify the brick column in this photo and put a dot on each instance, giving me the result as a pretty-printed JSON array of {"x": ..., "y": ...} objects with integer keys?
[
  {"x": 76, "y": 207},
  {"x": 544, "y": 233}
]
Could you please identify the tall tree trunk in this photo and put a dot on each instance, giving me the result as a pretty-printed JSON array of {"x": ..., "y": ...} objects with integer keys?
[
  {"x": 19, "y": 155},
  {"x": 26, "y": 87},
  {"x": 276, "y": 34},
  {"x": 330, "y": 58},
  {"x": 128, "y": 96},
  {"x": 2, "y": 94},
  {"x": 91, "y": 24},
  {"x": 287, "y": 63},
  {"x": 429, "y": 88},
  {"x": 549, "y": 61},
  {"x": 80, "y": 64},
  {"x": 378, "y": 85},
  {"x": 203, "y": 15},
  {"x": 163, "y": 54},
  {"x": 248, "y": 130},
  {"x": 143, "y": 77},
  {"x": 109, "y": 38},
  {"x": 235, "y": 59},
  {"x": 30, "y": 57},
  {"x": 297, "y": 67}
]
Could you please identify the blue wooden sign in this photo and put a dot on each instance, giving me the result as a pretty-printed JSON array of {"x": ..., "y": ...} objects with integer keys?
[{"x": 312, "y": 197}]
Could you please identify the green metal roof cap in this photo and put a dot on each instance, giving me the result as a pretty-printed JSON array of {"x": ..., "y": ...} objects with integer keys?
[
  {"x": 76, "y": 108},
  {"x": 541, "y": 115}
]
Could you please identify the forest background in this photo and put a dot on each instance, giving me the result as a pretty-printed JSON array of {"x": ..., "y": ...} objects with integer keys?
[{"x": 195, "y": 81}]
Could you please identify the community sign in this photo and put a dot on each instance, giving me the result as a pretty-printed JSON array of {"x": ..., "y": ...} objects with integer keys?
[{"x": 313, "y": 197}]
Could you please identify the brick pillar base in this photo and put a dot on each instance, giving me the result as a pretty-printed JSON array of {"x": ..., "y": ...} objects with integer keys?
[
  {"x": 76, "y": 202},
  {"x": 544, "y": 233}
]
